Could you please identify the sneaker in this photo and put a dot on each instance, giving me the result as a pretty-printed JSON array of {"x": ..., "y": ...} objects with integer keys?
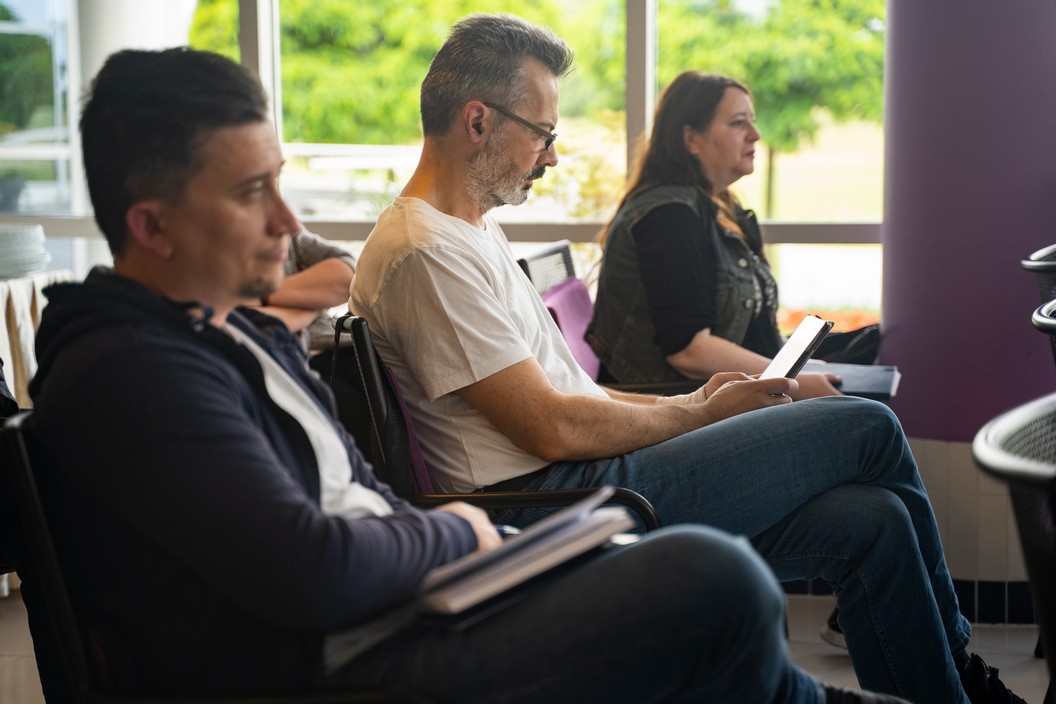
[
  {"x": 839, "y": 695},
  {"x": 983, "y": 686},
  {"x": 831, "y": 632}
]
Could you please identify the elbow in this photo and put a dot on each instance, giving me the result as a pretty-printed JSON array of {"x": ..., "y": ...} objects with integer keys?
[{"x": 551, "y": 442}]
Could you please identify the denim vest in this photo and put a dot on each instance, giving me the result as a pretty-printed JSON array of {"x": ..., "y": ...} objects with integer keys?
[{"x": 622, "y": 332}]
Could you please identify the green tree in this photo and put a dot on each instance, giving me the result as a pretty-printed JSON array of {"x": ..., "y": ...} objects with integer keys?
[
  {"x": 798, "y": 57},
  {"x": 25, "y": 79},
  {"x": 350, "y": 70}
]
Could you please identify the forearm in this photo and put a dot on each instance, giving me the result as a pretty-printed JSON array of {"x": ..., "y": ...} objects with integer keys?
[
  {"x": 556, "y": 426},
  {"x": 294, "y": 318},
  {"x": 587, "y": 427},
  {"x": 320, "y": 286},
  {"x": 707, "y": 354}
]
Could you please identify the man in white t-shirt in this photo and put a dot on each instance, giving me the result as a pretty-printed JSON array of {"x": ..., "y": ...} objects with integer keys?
[{"x": 825, "y": 488}]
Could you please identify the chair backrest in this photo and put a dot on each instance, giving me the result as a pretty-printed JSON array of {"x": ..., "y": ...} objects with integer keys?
[
  {"x": 1019, "y": 447},
  {"x": 46, "y": 579},
  {"x": 570, "y": 305},
  {"x": 1043, "y": 264},
  {"x": 395, "y": 451},
  {"x": 1044, "y": 321},
  {"x": 549, "y": 265},
  {"x": 553, "y": 274}
]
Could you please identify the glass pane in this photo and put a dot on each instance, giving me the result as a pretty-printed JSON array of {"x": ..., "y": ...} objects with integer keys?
[
  {"x": 350, "y": 79},
  {"x": 214, "y": 27},
  {"x": 839, "y": 282},
  {"x": 34, "y": 142},
  {"x": 816, "y": 74}
]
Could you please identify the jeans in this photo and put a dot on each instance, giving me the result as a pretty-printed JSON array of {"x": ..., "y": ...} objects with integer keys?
[
  {"x": 823, "y": 488},
  {"x": 689, "y": 614}
]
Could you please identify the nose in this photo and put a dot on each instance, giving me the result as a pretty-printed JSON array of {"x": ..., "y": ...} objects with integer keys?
[
  {"x": 282, "y": 220},
  {"x": 548, "y": 157},
  {"x": 753, "y": 134}
]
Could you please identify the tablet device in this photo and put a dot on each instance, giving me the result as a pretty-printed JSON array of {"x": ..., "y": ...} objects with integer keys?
[{"x": 797, "y": 350}]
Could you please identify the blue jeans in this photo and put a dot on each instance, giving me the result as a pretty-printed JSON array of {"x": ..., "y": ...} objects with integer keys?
[
  {"x": 823, "y": 488},
  {"x": 689, "y": 614}
]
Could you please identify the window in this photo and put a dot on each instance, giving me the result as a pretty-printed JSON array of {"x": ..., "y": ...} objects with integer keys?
[
  {"x": 350, "y": 79},
  {"x": 34, "y": 139},
  {"x": 343, "y": 170},
  {"x": 816, "y": 75}
]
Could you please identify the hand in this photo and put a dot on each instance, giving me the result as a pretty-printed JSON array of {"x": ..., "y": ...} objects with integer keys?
[
  {"x": 736, "y": 397},
  {"x": 487, "y": 537},
  {"x": 702, "y": 394},
  {"x": 813, "y": 385}
]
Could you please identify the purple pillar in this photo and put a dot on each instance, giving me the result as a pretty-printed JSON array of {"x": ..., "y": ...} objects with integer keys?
[{"x": 970, "y": 190}]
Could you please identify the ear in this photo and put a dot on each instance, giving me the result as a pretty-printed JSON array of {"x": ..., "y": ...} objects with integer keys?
[
  {"x": 473, "y": 120},
  {"x": 144, "y": 221},
  {"x": 689, "y": 138}
]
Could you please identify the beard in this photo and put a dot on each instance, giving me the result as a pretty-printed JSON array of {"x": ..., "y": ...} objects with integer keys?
[{"x": 494, "y": 180}]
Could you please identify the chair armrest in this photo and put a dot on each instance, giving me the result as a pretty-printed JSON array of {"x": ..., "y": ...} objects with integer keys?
[{"x": 545, "y": 499}]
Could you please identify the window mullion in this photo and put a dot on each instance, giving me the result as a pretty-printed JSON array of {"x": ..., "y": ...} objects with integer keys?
[
  {"x": 258, "y": 39},
  {"x": 641, "y": 70}
]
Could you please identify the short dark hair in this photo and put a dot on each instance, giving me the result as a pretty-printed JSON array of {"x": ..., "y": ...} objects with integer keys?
[
  {"x": 144, "y": 121},
  {"x": 482, "y": 59}
]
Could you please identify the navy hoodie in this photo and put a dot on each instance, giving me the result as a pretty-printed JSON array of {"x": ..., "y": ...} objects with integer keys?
[{"x": 186, "y": 503}]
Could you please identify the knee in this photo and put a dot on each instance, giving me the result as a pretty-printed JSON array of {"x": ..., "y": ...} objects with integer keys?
[
  {"x": 707, "y": 566},
  {"x": 872, "y": 515}
]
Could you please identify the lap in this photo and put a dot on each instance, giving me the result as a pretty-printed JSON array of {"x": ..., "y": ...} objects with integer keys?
[
  {"x": 580, "y": 638},
  {"x": 747, "y": 473}
]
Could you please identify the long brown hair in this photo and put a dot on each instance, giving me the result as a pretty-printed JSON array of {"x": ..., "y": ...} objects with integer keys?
[{"x": 692, "y": 99}]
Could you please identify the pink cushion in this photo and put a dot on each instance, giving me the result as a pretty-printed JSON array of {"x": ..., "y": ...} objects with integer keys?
[{"x": 569, "y": 302}]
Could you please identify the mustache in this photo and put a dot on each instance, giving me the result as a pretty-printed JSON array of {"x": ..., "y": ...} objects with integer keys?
[{"x": 535, "y": 173}]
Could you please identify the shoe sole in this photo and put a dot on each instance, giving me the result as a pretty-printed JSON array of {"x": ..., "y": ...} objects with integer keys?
[{"x": 833, "y": 637}]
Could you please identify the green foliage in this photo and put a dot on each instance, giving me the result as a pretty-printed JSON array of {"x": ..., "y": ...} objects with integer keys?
[
  {"x": 351, "y": 70},
  {"x": 25, "y": 79},
  {"x": 797, "y": 57},
  {"x": 215, "y": 27}
]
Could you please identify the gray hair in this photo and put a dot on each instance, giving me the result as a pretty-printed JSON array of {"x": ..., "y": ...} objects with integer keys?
[{"x": 482, "y": 59}]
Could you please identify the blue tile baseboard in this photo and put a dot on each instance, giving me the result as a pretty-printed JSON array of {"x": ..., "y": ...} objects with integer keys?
[{"x": 981, "y": 602}]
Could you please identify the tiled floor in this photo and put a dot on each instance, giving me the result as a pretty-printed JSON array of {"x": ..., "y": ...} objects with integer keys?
[{"x": 1008, "y": 648}]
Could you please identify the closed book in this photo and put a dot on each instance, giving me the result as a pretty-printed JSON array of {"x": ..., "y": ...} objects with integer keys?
[
  {"x": 475, "y": 578},
  {"x": 875, "y": 381}
]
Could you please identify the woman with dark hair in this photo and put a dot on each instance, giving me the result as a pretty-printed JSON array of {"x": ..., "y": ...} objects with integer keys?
[{"x": 685, "y": 289}]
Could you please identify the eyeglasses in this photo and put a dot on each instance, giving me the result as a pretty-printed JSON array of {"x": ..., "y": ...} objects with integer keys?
[{"x": 548, "y": 136}]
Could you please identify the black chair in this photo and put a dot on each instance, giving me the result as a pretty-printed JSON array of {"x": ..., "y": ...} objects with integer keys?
[
  {"x": 1043, "y": 264},
  {"x": 1019, "y": 448},
  {"x": 1044, "y": 321},
  {"x": 71, "y": 679},
  {"x": 372, "y": 407}
]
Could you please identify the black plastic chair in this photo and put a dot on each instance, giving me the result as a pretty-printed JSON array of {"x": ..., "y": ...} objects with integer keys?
[
  {"x": 1043, "y": 264},
  {"x": 1019, "y": 448},
  {"x": 371, "y": 406},
  {"x": 71, "y": 677},
  {"x": 1044, "y": 321}
]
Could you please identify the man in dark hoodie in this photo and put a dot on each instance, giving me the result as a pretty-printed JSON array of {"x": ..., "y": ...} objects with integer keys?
[{"x": 220, "y": 531}]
